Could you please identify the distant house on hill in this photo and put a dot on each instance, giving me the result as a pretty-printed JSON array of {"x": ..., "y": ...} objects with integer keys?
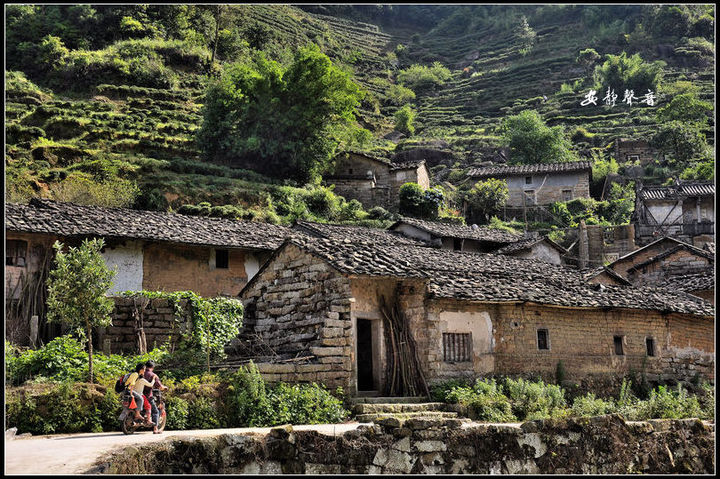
[
  {"x": 685, "y": 210},
  {"x": 480, "y": 239},
  {"x": 375, "y": 181},
  {"x": 334, "y": 305},
  {"x": 540, "y": 184},
  {"x": 629, "y": 150}
]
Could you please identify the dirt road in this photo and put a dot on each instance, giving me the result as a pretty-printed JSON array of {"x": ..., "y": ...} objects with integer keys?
[{"x": 76, "y": 453}]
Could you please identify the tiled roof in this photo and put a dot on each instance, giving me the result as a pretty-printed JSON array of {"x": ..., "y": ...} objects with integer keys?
[
  {"x": 683, "y": 190},
  {"x": 527, "y": 243},
  {"x": 589, "y": 274},
  {"x": 505, "y": 170},
  {"x": 709, "y": 247},
  {"x": 407, "y": 165},
  {"x": 490, "y": 278},
  {"x": 353, "y": 234},
  {"x": 673, "y": 242},
  {"x": 669, "y": 251},
  {"x": 71, "y": 220},
  {"x": 449, "y": 230},
  {"x": 691, "y": 282}
]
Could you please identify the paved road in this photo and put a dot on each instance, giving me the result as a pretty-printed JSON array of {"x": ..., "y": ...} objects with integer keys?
[{"x": 76, "y": 453}]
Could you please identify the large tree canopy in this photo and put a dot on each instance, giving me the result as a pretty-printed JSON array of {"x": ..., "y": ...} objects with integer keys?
[
  {"x": 531, "y": 141},
  {"x": 283, "y": 122}
]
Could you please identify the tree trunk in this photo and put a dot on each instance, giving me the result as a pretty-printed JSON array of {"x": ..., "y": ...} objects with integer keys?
[
  {"x": 217, "y": 33},
  {"x": 90, "y": 351}
]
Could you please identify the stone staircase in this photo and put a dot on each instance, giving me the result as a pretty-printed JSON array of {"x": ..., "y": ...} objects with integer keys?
[{"x": 370, "y": 409}]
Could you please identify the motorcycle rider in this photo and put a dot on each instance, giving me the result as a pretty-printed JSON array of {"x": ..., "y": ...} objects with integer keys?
[
  {"x": 148, "y": 392},
  {"x": 135, "y": 383}
]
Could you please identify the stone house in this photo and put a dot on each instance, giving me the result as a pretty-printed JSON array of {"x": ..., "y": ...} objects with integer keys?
[
  {"x": 150, "y": 250},
  {"x": 685, "y": 210},
  {"x": 468, "y": 315},
  {"x": 375, "y": 181},
  {"x": 661, "y": 260},
  {"x": 629, "y": 151},
  {"x": 540, "y": 184},
  {"x": 480, "y": 239}
]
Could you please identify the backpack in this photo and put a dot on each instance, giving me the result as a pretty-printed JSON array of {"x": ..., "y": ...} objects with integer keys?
[{"x": 120, "y": 384}]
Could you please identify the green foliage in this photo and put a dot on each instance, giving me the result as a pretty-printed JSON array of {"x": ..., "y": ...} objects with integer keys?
[
  {"x": 560, "y": 372},
  {"x": 588, "y": 58},
  {"x": 620, "y": 73},
  {"x": 178, "y": 413},
  {"x": 414, "y": 201},
  {"x": 526, "y": 35},
  {"x": 535, "y": 400},
  {"x": 589, "y": 405},
  {"x": 686, "y": 107},
  {"x": 112, "y": 192},
  {"x": 702, "y": 170},
  {"x": 423, "y": 77},
  {"x": 531, "y": 141},
  {"x": 404, "y": 120},
  {"x": 284, "y": 122},
  {"x": 305, "y": 404},
  {"x": 485, "y": 399},
  {"x": 400, "y": 95},
  {"x": 681, "y": 140},
  {"x": 488, "y": 196},
  {"x": 77, "y": 288},
  {"x": 215, "y": 321}
]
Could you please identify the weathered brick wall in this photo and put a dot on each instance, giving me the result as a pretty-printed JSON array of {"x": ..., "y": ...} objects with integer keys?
[
  {"x": 624, "y": 149},
  {"x": 180, "y": 268},
  {"x": 299, "y": 306},
  {"x": 550, "y": 190},
  {"x": 158, "y": 320},
  {"x": 679, "y": 263}
]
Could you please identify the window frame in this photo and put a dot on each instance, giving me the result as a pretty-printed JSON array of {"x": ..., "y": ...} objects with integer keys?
[
  {"x": 567, "y": 195},
  {"x": 650, "y": 349},
  {"x": 17, "y": 246},
  {"x": 530, "y": 182},
  {"x": 453, "y": 356},
  {"x": 547, "y": 339},
  {"x": 618, "y": 340}
]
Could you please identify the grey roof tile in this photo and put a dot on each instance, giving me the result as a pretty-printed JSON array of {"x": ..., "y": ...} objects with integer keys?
[
  {"x": 449, "y": 230},
  {"x": 515, "y": 170}
]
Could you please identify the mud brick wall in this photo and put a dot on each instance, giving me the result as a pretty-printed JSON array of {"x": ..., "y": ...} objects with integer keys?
[
  {"x": 598, "y": 445},
  {"x": 679, "y": 263},
  {"x": 159, "y": 324},
  {"x": 300, "y": 306}
]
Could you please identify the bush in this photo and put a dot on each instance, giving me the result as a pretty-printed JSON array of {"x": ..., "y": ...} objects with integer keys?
[
  {"x": 305, "y": 404},
  {"x": 419, "y": 77},
  {"x": 414, "y": 201},
  {"x": 535, "y": 400},
  {"x": 589, "y": 405},
  {"x": 485, "y": 399},
  {"x": 404, "y": 120},
  {"x": 620, "y": 73},
  {"x": 177, "y": 413}
]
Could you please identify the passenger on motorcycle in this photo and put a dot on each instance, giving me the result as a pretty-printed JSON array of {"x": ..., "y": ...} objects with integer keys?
[
  {"x": 148, "y": 393},
  {"x": 135, "y": 384}
]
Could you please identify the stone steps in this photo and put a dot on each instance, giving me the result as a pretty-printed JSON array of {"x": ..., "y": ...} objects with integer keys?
[
  {"x": 373, "y": 408},
  {"x": 388, "y": 400},
  {"x": 373, "y": 417}
]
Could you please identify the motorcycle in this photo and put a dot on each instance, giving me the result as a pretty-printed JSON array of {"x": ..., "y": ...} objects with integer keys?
[{"x": 127, "y": 419}]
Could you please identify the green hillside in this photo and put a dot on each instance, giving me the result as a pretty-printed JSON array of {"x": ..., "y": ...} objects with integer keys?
[{"x": 103, "y": 103}]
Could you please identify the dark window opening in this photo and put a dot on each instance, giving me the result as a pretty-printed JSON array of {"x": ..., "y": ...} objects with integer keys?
[
  {"x": 457, "y": 244},
  {"x": 618, "y": 340},
  {"x": 530, "y": 197},
  {"x": 457, "y": 347},
  {"x": 542, "y": 337},
  {"x": 350, "y": 170},
  {"x": 222, "y": 258},
  {"x": 364, "y": 355},
  {"x": 567, "y": 195},
  {"x": 650, "y": 345},
  {"x": 528, "y": 180},
  {"x": 16, "y": 251}
]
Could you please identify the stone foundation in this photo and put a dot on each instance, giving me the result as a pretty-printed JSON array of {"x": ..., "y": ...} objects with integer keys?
[{"x": 599, "y": 445}]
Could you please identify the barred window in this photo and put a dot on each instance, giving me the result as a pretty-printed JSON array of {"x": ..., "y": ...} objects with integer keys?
[
  {"x": 457, "y": 347},
  {"x": 15, "y": 252}
]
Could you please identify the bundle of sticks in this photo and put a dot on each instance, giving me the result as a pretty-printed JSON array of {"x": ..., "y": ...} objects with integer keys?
[{"x": 404, "y": 375}]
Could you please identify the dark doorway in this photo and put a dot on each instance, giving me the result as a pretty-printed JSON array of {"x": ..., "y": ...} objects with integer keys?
[{"x": 364, "y": 355}]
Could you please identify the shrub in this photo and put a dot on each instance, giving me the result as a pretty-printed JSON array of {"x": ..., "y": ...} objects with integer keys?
[
  {"x": 620, "y": 73},
  {"x": 400, "y": 95},
  {"x": 535, "y": 400},
  {"x": 531, "y": 141},
  {"x": 305, "y": 404},
  {"x": 488, "y": 197},
  {"x": 419, "y": 77},
  {"x": 485, "y": 399},
  {"x": 414, "y": 201},
  {"x": 589, "y": 405},
  {"x": 177, "y": 413},
  {"x": 404, "y": 120}
]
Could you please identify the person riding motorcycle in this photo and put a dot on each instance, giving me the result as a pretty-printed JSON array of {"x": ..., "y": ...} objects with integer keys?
[
  {"x": 135, "y": 384},
  {"x": 150, "y": 376}
]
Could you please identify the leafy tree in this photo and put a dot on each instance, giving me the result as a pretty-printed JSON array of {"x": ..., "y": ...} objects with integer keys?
[
  {"x": 399, "y": 95},
  {"x": 702, "y": 170},
  {"x": 685, "y": 107},
  {"x": 404, "y": 118},
  {"x": 587, "y": 59},
  {"x": 531, "y": 141},
  {"x": 488, "y": 196},
  {"x": 671, "y": 20},
  {"x": 620, "y": 73},
  {"x": 526, "y": 35},
  {"x": 683, "y": 141},
  {"x": 281, "y": 121},
  {"x": 76, "y": 290},
  {"x": 419, "y": 77},
  {"x": 414, "y": 201}
]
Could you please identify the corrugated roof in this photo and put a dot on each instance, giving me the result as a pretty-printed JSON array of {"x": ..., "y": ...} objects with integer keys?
[
  {"x": 683, "y": 190},
  {"x": 516, "y": 170}
]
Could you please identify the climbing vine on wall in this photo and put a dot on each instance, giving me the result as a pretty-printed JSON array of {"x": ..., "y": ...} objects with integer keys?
[{"x": 215, "y": 321}]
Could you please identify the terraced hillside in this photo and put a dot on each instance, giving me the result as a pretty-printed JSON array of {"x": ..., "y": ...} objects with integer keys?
[{"x": 110, "y": 129}]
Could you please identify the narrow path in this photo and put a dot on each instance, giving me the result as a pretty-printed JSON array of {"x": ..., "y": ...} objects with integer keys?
[{"x": 76, "y": 453}]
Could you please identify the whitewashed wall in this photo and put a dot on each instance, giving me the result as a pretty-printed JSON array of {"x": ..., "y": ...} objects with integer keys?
[{"x": 127, "y": 261}]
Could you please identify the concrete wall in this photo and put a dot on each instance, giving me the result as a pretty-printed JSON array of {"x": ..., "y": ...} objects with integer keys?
[{"x": 126, "y": 259}]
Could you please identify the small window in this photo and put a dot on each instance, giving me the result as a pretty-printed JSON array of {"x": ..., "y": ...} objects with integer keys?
[
  {"x": 350, "y": 170},
  {"x": 567, "y": 195},
  {"x": 542, "y": 339},
  {"x": 528, "y": 180},
  {"x": 650, "y": 346},
  {"x": 457, "y": 347},
  {"x": 618, "y": 340},
  {"x": 529, "y": 197},
  {"x": 457, "y": 244},
  {"x": 633, "y": 157},
  {"x": 221, "y": 258},
  {"x": 15, "y": 254}
]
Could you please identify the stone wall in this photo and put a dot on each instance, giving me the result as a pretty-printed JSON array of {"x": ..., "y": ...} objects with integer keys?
[
  {"x": 548, "y": 188},
  {"x": 300, "y": 307},
  {"x": 159, "y": 324},
  {"x": 679, "y": 263},
  {"x": 626, "y": 150},
  {"x": 599, "y": 445}
]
